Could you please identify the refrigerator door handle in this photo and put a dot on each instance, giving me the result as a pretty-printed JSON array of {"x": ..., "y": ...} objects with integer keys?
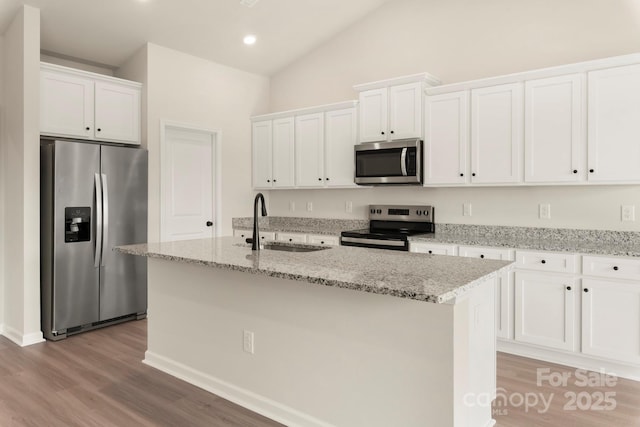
[
  {"x": 105, "y": 217},
  {"x": 98, "y": 254}
]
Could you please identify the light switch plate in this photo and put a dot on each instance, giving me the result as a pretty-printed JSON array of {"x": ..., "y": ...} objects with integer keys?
[
  {"x": 348, "y": 207},
  {"x": 309, "y": 206},
  {"x": 292, "y": 206},
  {"x": 466, "y": 209}
]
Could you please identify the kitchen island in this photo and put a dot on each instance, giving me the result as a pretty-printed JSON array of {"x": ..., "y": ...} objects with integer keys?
[{"x": 337, "y": 337}]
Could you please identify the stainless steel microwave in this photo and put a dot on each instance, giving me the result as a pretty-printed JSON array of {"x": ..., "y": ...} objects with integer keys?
[{"x": 397, "y": 162}]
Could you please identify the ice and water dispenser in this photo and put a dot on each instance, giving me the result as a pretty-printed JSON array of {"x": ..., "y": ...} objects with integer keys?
[{"x": 77, "y": 224}]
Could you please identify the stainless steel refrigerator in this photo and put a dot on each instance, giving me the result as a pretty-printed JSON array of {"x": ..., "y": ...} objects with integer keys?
[{"x": 93, "y": 197}]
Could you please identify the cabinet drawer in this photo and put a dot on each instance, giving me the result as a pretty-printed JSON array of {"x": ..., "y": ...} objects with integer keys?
[
  {"x": 612, "y": 267},
  {"x": 488, "y": 253},
  {"x": 317, "y": 239},
  {"x": 433, "y": 248},
  {"x": 247, "y": 234},
  {"x": 547, "y": 261},
  {"x": 292, "y": 237}
]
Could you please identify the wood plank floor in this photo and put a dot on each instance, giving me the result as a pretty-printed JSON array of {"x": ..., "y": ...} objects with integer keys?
[{"x": 96, "y": 379}]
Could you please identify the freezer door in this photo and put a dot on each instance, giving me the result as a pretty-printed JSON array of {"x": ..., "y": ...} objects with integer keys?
[
  {"x": 123, "y": 278},
  {"x": 75, "y": 290}
]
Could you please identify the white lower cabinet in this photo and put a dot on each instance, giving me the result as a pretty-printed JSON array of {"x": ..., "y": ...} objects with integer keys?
[
  {"x": 433, "y": 248},
  {"x": 504, "y": 286},
  {"x": 318, "y": 239},
  {"x": 248, "y": 234},
  {"x": 291, "y": 237},
  {"x": 545, "y": 308},
  {"x": 611, "y": 319}
]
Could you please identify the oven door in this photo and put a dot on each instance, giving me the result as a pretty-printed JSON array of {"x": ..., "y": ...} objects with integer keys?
[{"x": 397, "y": 162}]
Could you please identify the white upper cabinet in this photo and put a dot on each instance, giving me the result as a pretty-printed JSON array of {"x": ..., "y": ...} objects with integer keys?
[
  {"x": 496, "y": 134},
  {"x": 85, "y": 105},
  {"x": 392, "y": 109},
  {"x": 554, "y": 135},
  {"x": 614, "y": 124},
  {"x": 262, "y": 152},
  {"x": 340, "y": 137},
  {"x": 283, "y": 152},
  {"x": 117, "y": 112},
  {"x": 446, "y": 138},
  {"x": 310, "y": 150},
  {"x": 374, "y": 115},
  {"x": 66, "y": 104},
  {"x": 405, "y": 111}
]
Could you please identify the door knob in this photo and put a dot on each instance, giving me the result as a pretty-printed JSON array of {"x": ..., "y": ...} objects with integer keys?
[{"x": 209, "y": 223}]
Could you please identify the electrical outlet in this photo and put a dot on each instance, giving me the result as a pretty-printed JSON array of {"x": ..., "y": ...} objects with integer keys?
[
  {"x": 544, "y": 211},
  {"x": 466, "y": 209},
  {"x": 247, "y": 342},
  {"x": 309, "y": 206},
  {"x": 292, "y": 206},
  {"x": 348, "y": 207},
  {"x": 628, "y": 213}
]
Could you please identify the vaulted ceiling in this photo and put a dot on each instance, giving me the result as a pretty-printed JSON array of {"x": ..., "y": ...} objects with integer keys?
[{"x": 109, "y": 31}]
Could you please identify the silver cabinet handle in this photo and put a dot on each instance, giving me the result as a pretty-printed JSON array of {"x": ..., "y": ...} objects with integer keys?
[
  {"x": 403, "y": 161},
  {"x": 105, "y": 216},
  {"x": 98, "y": 254}
]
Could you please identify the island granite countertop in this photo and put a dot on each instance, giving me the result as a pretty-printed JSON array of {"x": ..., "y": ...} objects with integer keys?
[{"x": 429, "y": 278}]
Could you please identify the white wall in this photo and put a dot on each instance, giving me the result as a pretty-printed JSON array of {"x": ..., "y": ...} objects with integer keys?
[
  {"x": 74, "y": 63},
  {"x": 2, "y": 180},
  {"x": 187, "y": 89},
  {"x": 21, "y": 180},
  {"x": 461, "y": 40}
]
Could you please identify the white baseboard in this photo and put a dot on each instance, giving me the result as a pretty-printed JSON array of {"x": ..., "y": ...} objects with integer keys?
[
  {"x": 245, "y": 398},
  {"x": 574, "y": 360},
  {"x": 21, "y": 340}
]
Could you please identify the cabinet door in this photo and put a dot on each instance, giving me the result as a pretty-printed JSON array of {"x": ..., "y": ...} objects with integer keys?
[
  {"x": 446, "y": 138},
  {"x": 117, "y": 113},
  {"x": 614, "y": 128},
  {"x": 283, "y": 149},
  {"x": 496, "y": 134},
  {"x": 340, "y": 137},
  {"x": 545, "y": 310},
  {"x": 310, "y": 150},
  {"x": 554, "y": 138},
  {"x": 611, "y": 320},
  {"x": 373, "y": 115},
  {"x": 405, "y": 111},
  {"x": 66, "y": 105},
  {"x": 262, "y": 145}
]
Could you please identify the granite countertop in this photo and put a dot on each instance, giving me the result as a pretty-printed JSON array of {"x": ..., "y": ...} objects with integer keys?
[
  {"x": 579, "y": 246},
  {"x": 593, "y": 242},
  {"x": 429, "y": 278}
]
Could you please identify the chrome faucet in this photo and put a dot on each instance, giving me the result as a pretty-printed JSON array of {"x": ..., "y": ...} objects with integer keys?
[{"x": 255, "y": 244}]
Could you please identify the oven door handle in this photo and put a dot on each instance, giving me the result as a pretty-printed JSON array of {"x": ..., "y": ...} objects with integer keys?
[
  {"x": 403, "y": 161},
  {"x": 368, "y": 241}
]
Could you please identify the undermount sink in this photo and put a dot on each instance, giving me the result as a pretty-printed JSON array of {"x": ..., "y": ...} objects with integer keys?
[{"x": 288, "y": 247}]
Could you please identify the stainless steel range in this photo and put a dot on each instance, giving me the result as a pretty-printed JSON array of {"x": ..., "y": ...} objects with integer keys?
[{"x": 390, "y": 227}]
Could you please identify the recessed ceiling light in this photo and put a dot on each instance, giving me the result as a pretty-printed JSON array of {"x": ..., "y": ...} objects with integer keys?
[
  {"x": 249, "y": 39},
  {"x": 248, "y": 3}
]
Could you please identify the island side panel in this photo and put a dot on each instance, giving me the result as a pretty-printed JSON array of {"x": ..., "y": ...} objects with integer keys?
[
  {"x": 323, "y": 356},
  {"x": 475, "y": 356}
]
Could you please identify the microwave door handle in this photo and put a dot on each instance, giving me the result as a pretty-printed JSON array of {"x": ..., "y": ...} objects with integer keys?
[{"x": 403, "y": 161}]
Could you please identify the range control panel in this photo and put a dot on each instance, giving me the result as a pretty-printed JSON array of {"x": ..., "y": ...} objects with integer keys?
[{"x": 401, "y": 213}]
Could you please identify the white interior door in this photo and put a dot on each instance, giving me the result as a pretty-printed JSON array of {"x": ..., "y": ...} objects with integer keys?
[{"x": 188, "y": 166}]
